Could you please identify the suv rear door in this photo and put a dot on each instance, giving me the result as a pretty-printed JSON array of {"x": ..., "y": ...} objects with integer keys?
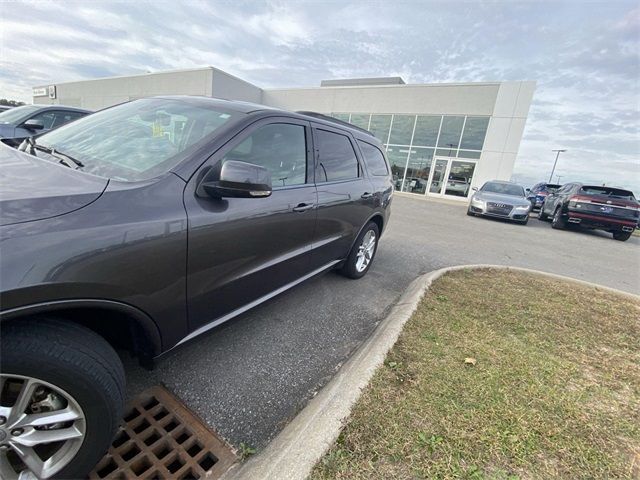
[
  {"x": 345, "y": 195},
  {"x": 243, "y": 249}
]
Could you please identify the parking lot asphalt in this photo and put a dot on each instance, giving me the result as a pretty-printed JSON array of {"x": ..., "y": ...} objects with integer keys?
[{"x": 250, "y": 376}]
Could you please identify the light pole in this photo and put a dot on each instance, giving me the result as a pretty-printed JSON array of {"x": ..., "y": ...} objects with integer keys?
[{"x": 556, "y": 162}]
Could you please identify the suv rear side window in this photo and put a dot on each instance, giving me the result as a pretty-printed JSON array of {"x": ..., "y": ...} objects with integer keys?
[
  {"x": 374, "y": 159},
  {"x": 338, "y": 160},
  {"x": 281, "y": 148}
]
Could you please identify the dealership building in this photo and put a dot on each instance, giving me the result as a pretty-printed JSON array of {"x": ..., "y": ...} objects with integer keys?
[{"x": 441, "y": 139}]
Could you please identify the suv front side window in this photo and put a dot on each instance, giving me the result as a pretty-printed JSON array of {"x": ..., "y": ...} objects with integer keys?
[
  {"x": 337, "y": 159},
  {"x": 47, "y": 118},
  {"x": 281, "y": 148}
]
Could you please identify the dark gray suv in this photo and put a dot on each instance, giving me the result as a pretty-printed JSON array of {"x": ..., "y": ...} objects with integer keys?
[{"x": 146, "y": 224}]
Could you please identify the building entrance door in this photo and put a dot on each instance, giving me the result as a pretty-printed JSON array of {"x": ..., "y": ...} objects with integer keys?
[
  {"x": 438, "y": 176},
  {"x": 451, "y": 177}
]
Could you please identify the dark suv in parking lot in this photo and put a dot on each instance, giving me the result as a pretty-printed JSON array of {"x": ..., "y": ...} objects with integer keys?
[
  {"x": 147, "y": 224},
  {"x": 611, "y": 209},
  {"x": 19, "y": 123},
  {"x": 539, "y": 192}
]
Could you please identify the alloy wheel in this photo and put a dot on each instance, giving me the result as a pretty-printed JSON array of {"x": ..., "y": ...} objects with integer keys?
[
  {"x": 365, "y": 251},
  {"x": 42, "y": 428}
]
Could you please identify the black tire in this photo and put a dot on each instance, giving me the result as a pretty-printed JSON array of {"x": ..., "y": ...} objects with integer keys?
[
  {"x": 78, "y": 361},
  {"x": 541, "y": 215},
  {"x": 558, "y": 222},
  {"x": 349, "y": 268},
  {"x": 622, "y": 236},
  {"x": 470, "y": 213},
  {"x": 525, "y": 221}
]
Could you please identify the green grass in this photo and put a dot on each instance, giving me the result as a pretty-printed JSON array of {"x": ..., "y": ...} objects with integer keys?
[{"x": 554, "y": 393}]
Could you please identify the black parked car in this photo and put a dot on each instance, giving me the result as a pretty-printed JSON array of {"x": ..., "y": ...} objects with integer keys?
[
  {"x": 603, "y": 208},
  {"x": 147, "y": 224},
  {"x": 539, "y": 192},
  {"x": 19, "y": 123}
]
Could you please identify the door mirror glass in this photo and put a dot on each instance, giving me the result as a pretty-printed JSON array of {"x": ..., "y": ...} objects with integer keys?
[
  {"x": 33, "y": 124},
  {"x": 236, "y": 179}
]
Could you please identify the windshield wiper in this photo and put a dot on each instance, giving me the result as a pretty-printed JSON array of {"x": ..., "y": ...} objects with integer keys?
[{"x": 63, "y": 158}]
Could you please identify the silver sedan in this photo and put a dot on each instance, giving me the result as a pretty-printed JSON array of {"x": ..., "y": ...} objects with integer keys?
[{"x": 501, "y": 200}]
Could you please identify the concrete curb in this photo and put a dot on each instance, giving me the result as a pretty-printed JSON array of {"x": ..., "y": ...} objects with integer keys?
[{"x": 294, "y": 452}]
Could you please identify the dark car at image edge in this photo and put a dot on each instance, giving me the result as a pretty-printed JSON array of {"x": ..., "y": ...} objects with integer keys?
[
  {"x": 25, "y": 121},
  {"x": 611, "y": 209},
  {"x": 146, "y": 224}
]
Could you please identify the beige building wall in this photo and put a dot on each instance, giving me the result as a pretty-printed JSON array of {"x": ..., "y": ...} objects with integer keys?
[
  {"x": 105, "y": 92},
  {"x": 449, "y": 99}
]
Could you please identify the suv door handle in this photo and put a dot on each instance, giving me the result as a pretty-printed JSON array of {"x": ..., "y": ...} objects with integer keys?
[
  {"x": 303, "y": 207},
  {"x": 366, "y": 195}
]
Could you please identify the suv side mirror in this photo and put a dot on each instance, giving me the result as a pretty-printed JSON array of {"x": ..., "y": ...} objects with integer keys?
[
  {"x": 33, "y": 125},
  {"x": 236, "y": 179},
  {"x": 475, "y": 189}
]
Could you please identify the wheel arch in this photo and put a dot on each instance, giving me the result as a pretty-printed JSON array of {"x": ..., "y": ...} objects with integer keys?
[
  {"x": 122, "y": 325},
  {"x": 379, "y": 221}
]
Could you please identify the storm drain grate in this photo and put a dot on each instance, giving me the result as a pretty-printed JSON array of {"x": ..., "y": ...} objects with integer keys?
[{"x": 162, "y": 439}]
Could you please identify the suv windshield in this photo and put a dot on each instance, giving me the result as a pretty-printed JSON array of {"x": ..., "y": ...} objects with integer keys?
[
  {"x": 17, "y": 114},
  {"x": 137, "y": 140},
  {"x": 503, "y": 189},
  {"x": 608, "y": 191}
]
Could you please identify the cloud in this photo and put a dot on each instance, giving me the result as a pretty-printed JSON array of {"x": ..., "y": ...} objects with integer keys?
[{"x": 584, "y": 56}]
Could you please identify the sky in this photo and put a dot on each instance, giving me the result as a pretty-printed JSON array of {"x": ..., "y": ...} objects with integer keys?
[{"x": 585, "y": 57}]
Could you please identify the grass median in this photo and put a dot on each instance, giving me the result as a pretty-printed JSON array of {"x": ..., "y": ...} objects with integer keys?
[{"x": 502, "y": 375}]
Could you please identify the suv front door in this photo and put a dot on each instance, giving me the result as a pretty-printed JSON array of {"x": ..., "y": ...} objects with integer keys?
[{"x": 243, "y": 250}]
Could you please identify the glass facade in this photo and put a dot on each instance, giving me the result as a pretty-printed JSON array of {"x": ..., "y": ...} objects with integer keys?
[
  {"x": 402, "y": 129},
  {"x": 414, "y": 144},
  {"x": 379, "y": 126}
]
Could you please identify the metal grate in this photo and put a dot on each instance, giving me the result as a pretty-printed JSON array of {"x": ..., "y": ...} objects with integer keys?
[{"x": 162, "y": 439}]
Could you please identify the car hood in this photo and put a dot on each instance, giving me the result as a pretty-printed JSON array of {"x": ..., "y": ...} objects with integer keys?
[
  {"x": 500, "y": 198},
  {"x": 32, "y": 188}
]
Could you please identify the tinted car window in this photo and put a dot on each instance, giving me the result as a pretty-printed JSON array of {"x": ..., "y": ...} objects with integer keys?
[
  {"x": 280, "y": 148},
  {"x": 65, "y": 117},
  {"x": 374, "y": 159},
  {"x": 608, "y": 191},
  {"x": 338, "y": 160},
  {"x": 47, "y": 118}
]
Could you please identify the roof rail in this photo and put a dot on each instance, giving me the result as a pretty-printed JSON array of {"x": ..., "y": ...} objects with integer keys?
[{"x": 334, "y": 120}]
